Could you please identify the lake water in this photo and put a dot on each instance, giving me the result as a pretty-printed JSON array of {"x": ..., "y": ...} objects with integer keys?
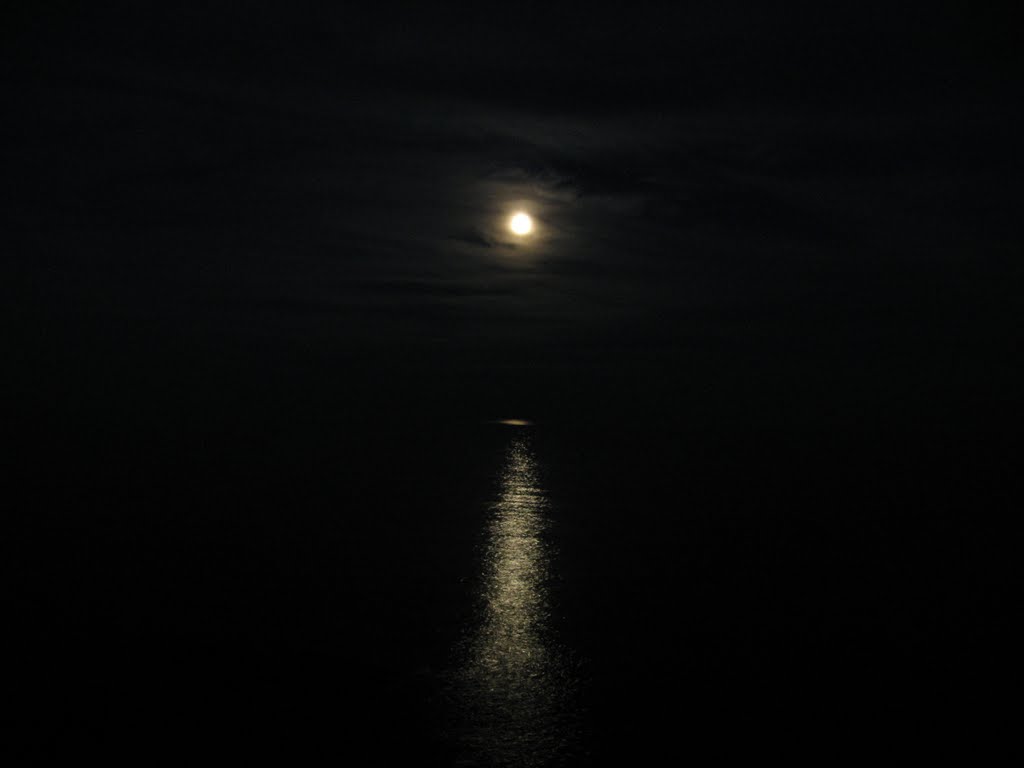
[{"x": 503, "y": 595}]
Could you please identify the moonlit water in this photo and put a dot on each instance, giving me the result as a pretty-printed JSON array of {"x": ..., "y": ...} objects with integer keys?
[{"x": 514, "y": 688}]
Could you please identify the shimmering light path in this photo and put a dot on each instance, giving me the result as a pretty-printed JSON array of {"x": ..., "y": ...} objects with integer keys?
[{"x": 514, "y": 688}]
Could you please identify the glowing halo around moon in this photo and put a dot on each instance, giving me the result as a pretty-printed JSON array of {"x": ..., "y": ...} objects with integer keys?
[{"x": 521, "y": 224}]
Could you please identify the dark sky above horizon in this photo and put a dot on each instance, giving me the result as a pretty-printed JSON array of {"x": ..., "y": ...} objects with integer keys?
[{"x": 746, "y": 215}]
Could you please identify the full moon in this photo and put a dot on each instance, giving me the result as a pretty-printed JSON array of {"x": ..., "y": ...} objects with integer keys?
[{"x": 521, "y": 224}]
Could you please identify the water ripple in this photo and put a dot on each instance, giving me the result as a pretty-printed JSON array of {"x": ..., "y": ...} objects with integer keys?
[{"x": 514, "y": 689}]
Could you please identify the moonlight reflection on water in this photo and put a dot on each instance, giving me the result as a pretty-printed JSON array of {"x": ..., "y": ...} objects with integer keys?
[{"x": 514, "y": 687}]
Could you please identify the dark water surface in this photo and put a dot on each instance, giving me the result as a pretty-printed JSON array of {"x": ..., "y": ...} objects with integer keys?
[{"x": 483, "y": 594}]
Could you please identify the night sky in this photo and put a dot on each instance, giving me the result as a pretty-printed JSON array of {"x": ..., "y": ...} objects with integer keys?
[
  {"x": 747, "y": 215},
  {"x": 236, "y": 235}
]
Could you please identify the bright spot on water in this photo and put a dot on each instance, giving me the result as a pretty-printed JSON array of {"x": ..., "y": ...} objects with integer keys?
[{"x": 514, "y": 686}]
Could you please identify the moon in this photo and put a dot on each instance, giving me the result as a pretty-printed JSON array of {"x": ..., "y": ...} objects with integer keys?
[{"x": 521, "y": 224}]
